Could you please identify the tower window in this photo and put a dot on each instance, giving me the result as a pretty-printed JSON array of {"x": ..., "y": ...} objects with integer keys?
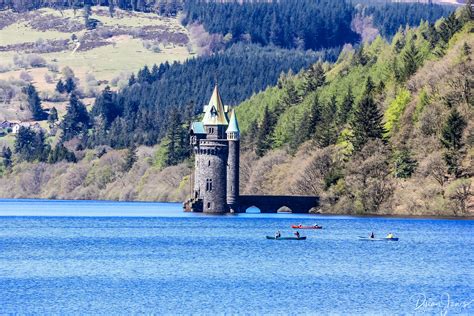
[
  {"x": 209, "y": 163},
  {"x": 209, "y": 185},
  {"x": 208, "y": 205}
]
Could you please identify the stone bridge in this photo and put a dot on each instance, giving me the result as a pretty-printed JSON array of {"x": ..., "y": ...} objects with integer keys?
[{"x": 272, "y": 203}]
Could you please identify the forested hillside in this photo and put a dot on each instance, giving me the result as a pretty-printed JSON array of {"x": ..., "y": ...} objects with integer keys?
[
  {"x": 382, "y": 127},
  {"x": 387, "y": 128}
]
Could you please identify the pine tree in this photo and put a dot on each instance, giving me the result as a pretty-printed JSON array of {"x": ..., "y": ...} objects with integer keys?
[
  {"x": 106, "y": 107},
  {"x": 451, "y": 138},
  {"x": 345, "y": 110},
  {"x": 34, "y": 102},
  {"x": 70, "y": 85},
  {"x": 411, "y": 60},
  {"x": 60, "y": 87},
  {"x": 76, "y": 120},
  {"x": 310, "y": 121},
  {"x": 404, "y": 164},
  {"x": 326, "y": 132},
  {"x": 132, "y": 80},
  {"x": 144, "y": 75},
  {"x": 314, "y": 77},
  {"x": 367, "y": 120},
  {"x": 290, "y": 96},
  {"x": 177, "y": 148},
  {"x": 30, "y": 146},
  {"x": 264, "y": 140},
  {"x": 60, "y": 153},
  {"x": 7, "y": 157},
  {"x": 131, "y": 158},
  {"x": 53, "y": 116}
]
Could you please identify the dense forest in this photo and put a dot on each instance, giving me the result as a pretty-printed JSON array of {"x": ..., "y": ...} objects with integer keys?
[
  {"x": 143, "y": 108},
  {"x": 389, "y": 17},
  {"x": 305, "y": 24}
]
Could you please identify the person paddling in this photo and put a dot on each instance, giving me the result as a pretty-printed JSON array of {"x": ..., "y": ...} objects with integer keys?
[
  {"x": 390, "y": 236},
  {"x": 277, "y": 234},
  {"x": 297, "y": 234},
  {"x": 372, "y": 235}
]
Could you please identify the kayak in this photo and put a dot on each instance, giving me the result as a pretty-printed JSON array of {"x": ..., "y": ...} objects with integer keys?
[
  {"x": 378, "y": 239},
  {"x": 306, "y": 227},
  {"x": 286, "y": 238}
]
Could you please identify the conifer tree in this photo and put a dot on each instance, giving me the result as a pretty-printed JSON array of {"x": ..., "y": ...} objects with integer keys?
[
  {"x": 60, "y": 153},
  {"x": 131, "y": 158},
  {"x": 290, "y": 96},
  {"x": 132, "y": 80},
  {"x": 60, "y": 87},
  {"x": 30, "y": 146},
  {"x": 310, "y": 121},
  {"x": 34, "y": 102},
  {"x": 7, "y": 157},
  {"x": 177, "y": 148},
  {"x": 345, "y": 110},
  {"x": 314, "y": 77},
  {"x": 70, "y": 85},
  {"x": 264, "y": 140},
  {"x": 106, "y": 107},
  {"x": 411, "y": 60},
  {"x": 404, "y": 164},
  {"x": 326, "y": 132},
  {"x": 53, "y": 116},
  {"x": 367, "y": 120},
  {"x": 76, "y": 120},
  {"x": 144, "y": 75},
  {"x": 451, "y": 138}
]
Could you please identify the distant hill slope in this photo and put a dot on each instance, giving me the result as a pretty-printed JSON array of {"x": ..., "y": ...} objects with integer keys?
[{"x": 36, "y": 46}]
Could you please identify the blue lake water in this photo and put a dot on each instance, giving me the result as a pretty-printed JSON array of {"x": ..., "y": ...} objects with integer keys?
[{"x": 66, "y": 257}]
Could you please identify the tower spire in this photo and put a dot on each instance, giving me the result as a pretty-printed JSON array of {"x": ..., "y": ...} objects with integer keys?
[{"x": 215, "y": 112}]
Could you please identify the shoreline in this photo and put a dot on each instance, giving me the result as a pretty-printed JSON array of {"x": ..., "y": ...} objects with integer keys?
[{"x": 396, "y": 216}]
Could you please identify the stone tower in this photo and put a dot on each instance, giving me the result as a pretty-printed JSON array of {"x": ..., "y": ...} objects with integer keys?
[
  {"x": 233, "y": 137},
  {"x": 215, "y": 143}
]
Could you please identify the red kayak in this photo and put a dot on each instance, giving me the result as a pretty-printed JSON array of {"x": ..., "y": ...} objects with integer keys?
[{"x": 306, "y": 227}]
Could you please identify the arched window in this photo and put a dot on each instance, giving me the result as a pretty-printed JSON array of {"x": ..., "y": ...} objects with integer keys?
[{"x": 208, "y": 205}]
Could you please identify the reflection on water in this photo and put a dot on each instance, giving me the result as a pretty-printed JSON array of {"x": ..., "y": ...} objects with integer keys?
[{"x": 63, "y": 257}]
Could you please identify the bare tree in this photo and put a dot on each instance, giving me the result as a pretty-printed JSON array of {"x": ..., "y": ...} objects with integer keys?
[
  {"x": 368, "y": 176},
  {"x": 459, "y": 192}
]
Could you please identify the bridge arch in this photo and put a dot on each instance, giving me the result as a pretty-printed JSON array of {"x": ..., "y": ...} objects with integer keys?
[
  {"x": 252, "y": 210},
  {"x": 284, "y": 209},
  {"x": 272, "y": 204}
]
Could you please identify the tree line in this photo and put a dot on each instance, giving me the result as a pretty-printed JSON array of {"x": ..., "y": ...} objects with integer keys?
[{"x": 162, "y": 7}]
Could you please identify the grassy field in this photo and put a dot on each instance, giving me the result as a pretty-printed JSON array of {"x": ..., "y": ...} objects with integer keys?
[{"x": 118, "y": 47}]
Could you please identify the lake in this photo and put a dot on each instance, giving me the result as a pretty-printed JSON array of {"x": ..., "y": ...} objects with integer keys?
[{"x": 83, "y": 257}]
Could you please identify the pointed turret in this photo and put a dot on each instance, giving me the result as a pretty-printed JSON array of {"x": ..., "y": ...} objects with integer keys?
[
  {"x": 214, "y": 112},
  {"x": 233, "y": 132}
]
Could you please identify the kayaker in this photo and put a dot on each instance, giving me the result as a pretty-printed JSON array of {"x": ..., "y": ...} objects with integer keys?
[
  {"x": 390, "y": 236},
  {"x": 297, "y": 234},
  {"x": 372, "y": 235},
  {"x": 277, "y": 234}
]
